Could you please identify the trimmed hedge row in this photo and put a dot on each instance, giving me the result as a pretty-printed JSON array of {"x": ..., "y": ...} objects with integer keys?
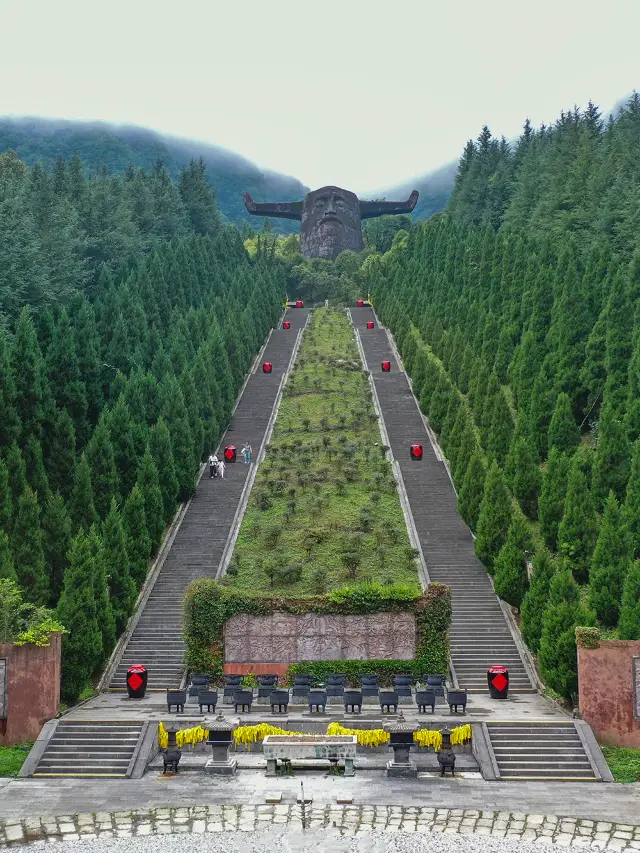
[
  {"x": 208, "y": 606},
  {"x": 353, "y": 669}
]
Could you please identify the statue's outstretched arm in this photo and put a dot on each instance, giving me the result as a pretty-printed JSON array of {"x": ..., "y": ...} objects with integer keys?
[
  {"x": 277, "y": 210},
  {"x": 369, "y": 209}
]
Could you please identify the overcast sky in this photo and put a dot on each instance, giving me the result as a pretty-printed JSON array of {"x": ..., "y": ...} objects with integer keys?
[{"x": 359, "y": 93}]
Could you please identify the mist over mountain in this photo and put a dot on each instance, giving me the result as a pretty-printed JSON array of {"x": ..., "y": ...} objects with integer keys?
[
  {"x": 435, "y": 188},
  {"x": 99, "y": 144}
]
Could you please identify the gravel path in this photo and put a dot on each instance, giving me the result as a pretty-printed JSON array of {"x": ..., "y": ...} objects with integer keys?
[{"x": 288, "y": 840}]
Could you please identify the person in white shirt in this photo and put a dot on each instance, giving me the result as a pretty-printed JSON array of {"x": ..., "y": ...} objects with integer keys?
[
  {"x": 213, "y": 465},
  {"x": 221, "y": 467}
]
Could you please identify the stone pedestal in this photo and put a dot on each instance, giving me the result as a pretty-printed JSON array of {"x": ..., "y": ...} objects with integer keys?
[
  {"x": 406, "y": 769},
  {"x": 221, "y": 768}
]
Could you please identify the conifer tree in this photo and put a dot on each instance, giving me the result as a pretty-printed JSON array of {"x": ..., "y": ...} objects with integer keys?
[
  {"x": 137, "y": 541},
  {"x": 472, "y": 491},
  {"x": 578, "y": 529},
  {"x": 563, "y": 430},
  {"x": 174, "y": 412},
  {"x": 122, "y": 440},
  {"x": 552, "y": 497},
  {"x": 467, "y": 447},
  {"x": 9, "y": 424},
  {"x": 494, "y": 518},
  {"x": 104, "y": 612},
  {"x": 64, "y": 374},
  {"x": 612, "y": 462},
  {"x": 122, "y": 589},
  {"x": 27, "y": 368},
  {"x": 198, "y": 199},
  {"x": 56, "y": 542},
  {"x": 610, "y": 563},
  {"x": 26, "y": 544},
  {"x": 77, "y": 610},
  {"x": 558, "y": 652},
  {"x": 61, "y": 462},
  {"x": 152, "y": 496},
  {"x": 510, "y": 567},
  {"x": 631, "y": 507},
  {"x": 82, "y": 509},
  {"x": 629, "y": 624},
  {"x": 7, "y": 569},
  {"x": 36, "y": 474},
  {"x": 6, "y": 499},
  {"x": 17, "y": 472},
  {"x": 526, "y": 478},
  {"x": 162, "y": 453},
  {"x": 104, "y": 477},
  {"x": 501, "y": 429},
  {"x": 536, "y": 598}
]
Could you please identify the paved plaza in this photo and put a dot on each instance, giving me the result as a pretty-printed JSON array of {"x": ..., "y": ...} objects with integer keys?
[{"x": 335, "y": 827}]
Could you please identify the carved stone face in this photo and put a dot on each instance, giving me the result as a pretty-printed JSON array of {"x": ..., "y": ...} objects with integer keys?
[{"x": 330, "y": 223}]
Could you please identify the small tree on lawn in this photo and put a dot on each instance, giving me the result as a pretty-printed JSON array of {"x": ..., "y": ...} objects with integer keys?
[
  {"x": 611, "y": 561},
  {"x": 494, "y": 518},
  {"x": 536, "y": 599}
]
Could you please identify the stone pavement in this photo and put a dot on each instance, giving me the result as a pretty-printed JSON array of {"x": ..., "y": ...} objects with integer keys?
[
  {"x": 614, "y": 803},
  {"x": 544, "y": 829}
]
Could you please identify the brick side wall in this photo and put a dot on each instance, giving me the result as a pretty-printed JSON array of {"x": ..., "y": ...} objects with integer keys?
[
  {"x": 606, "y": 691},
  {"x": 33, "y": 689}
]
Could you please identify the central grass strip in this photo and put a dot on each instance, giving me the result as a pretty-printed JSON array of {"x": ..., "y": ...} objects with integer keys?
[{"x": 324, "y": 510}]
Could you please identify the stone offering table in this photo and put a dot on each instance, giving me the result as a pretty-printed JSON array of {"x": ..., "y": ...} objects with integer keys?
[{"x": 304, "y": 747}]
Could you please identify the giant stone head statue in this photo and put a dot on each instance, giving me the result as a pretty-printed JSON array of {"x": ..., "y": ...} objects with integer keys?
[{"x": 331, "y": 218}]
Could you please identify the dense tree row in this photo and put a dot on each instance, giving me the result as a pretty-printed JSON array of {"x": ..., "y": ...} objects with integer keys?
[
  {"x": 58, "y": 228},
  {"x": 523, "y": 345},
  {"x": 107, "y": 406}
]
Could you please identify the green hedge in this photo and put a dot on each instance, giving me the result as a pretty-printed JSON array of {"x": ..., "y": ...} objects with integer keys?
[
  {"x": 353, "y": 669},
  {"x": 208, "y": 605}
]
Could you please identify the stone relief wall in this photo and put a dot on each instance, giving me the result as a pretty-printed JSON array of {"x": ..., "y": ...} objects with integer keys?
[
  {"x": 285, "y": 638},
  {"x": 608, "y": 687}
]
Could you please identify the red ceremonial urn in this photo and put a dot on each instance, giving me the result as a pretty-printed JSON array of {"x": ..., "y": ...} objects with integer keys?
[
  {"x": 386, "y": 367},
  {"x": 360, "y": 303},
  {"x": 299, "y": 303},
  {"x": 498, "y": 681},
  {"x": 137, "y": 681},
  {"x": 286, "y": 324},
  {"x": 267, "y": 367},
  {"x": 370, "y": 324},
  {"x": 230, "y": 453},
  {"x": 416, "y": 451}
]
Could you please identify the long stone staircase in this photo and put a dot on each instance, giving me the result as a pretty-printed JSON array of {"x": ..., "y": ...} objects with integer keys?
[
  {"x": 480, "y": 635},
  {"x": 157, "y": 638},
  {"x": 90, "y": 748},
  {"x": 540, "y": 751}
]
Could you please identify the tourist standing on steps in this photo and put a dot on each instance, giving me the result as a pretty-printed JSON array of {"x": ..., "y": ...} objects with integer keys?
[
  {"x": 213, "y": 465},
  {"x": 221, "y": 467},
  {"x": 246, "y": 452}
]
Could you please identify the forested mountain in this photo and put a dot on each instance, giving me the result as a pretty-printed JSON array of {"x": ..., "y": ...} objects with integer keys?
[
  {"x": 435, "y": 189},
  {"x": 115, "y": 148},
  {"x": 517, "y": 313},
  {"x": 130, "y": 318}
]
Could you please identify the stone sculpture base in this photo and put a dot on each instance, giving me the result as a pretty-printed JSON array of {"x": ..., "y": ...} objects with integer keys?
[
  {"x": 395, "y": 771},
  {"x": 221, "y": 768}
]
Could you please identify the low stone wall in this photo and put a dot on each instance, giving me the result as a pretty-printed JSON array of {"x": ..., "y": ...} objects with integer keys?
[
  {"x": 609, "y": 688},
  {"x": 33, "y": 689}
]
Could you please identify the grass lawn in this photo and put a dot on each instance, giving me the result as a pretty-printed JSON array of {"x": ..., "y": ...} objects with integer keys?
[
  {"x": 324, "y": 510},
  {"x": 12, "y": 758},
  {"x": 623, "y": 762}
]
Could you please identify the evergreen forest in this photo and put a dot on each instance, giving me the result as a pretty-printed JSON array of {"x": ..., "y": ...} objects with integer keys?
[
  {"x": 130, "y": 316},
  {"x": 517, "y": 315}
]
